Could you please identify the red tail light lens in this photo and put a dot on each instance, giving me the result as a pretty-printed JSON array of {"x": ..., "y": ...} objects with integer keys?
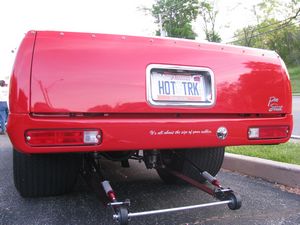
[
  {"x": 62, "y": 137},
  {"x": 272, "y": 132}
]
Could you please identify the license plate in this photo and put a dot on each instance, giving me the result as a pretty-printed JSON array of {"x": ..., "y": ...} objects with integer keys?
[
  {"x": 177, "y": 87},
  {"x": 169, "y": 85}
]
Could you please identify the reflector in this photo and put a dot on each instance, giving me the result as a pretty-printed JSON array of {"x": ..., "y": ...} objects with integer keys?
[
  {"x": 91, "y": 137},
  {"x": 253, "y": 133},
  {"x": 269, "y": 132},
  {"x": 62, "y": 137}
]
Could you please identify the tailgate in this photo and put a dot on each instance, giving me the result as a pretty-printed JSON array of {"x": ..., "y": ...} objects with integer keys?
[{"x": 96, "y": 73}]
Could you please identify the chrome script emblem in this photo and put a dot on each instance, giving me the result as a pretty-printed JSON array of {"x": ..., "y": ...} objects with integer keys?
[{"x": 273, "y": 105}]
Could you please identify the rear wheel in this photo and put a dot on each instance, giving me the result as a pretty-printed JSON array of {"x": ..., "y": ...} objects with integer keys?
[
  {"x": 39, "y": 175},
  {"x": 207, "y": 159}
]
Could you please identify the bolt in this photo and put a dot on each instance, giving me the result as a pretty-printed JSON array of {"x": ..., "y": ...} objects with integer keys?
[
  {"x": 222, "y": 133},
  {"x": 115, "y": 217}
]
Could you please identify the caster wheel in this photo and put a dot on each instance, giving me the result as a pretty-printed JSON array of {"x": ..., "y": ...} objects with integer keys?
[
  {"x": 236, "y": 201},
  {"x": 123, "y": 216}
]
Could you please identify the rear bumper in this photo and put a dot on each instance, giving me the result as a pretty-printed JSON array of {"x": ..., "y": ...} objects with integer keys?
[{"x": 145, "y": 133}]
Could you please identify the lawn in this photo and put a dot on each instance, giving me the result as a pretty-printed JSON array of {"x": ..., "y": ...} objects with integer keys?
[
  {"x": 288, "y": 152},
  {"x": 295, "y": 78}
]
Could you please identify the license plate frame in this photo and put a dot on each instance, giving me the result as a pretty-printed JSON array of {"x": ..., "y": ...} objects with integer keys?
[{"x": 171, "y": 85}]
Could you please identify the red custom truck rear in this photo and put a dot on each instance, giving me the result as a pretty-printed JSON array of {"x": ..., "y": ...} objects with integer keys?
[{"x": 113, "y": 95}]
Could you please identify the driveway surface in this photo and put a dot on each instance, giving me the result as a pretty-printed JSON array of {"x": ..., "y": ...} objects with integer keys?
[{"x": 263, "y": 202}]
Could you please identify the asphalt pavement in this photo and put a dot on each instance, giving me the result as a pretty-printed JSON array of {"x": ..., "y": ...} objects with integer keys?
[
  {"x": 263, "y": 202},
  {"x": 296, "y": 114}
]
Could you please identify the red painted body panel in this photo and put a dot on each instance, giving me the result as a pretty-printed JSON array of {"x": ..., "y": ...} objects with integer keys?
[
  {"x": 145, "y": 133},
  {"x": 107, "y": 73},
  {"x": 101, "y": 80},
  {"x": 19, "y": 97}
]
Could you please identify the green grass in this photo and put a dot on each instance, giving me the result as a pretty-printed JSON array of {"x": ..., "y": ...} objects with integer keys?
[
  {"x": 295, "y": 78},
  {"x": 288, "y": 152}
]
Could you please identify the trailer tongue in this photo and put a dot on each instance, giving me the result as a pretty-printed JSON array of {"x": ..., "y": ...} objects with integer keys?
[{"x": 94, "y": 175}]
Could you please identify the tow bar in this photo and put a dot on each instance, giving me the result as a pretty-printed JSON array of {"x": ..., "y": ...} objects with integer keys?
[{"x": 121, "y": 214}]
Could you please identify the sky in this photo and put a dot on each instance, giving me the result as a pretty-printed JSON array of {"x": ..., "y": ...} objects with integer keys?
[{"x": 96, "y": 16}]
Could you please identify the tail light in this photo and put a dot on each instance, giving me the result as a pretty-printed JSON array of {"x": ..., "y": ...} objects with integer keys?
[
  {"x": 270, "y": 132},
  {"x": 63, "y": 137}
]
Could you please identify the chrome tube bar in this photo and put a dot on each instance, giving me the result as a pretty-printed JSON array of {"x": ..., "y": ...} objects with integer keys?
[{"x": 152, "y": 212}]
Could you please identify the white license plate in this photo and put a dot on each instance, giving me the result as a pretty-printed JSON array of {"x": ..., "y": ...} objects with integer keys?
[{"x": 173, "y": 87}]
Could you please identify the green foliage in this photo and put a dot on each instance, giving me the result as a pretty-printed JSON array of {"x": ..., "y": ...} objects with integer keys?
[
  {"x": 288, "y": 152},
  {"x": 268, "y": 9},
  {"x": 295, "y": 78},
  {"x": 213, "y": 36},
  {"x": 276, "y": 9},
  {"x": 176, "y": 17},
  {"x": 271, "y": 33},
  {"x": 208, "y": 15}
]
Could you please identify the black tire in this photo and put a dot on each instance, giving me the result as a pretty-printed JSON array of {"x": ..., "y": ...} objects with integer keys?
[
  {"x": 40, "y": 175},
  {"x": 206, "y": 159},
  {"x": 236, "y": 201},
  {"x": 123, "y": 215}
]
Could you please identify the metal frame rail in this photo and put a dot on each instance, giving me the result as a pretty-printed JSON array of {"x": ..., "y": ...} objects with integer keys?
[{"x": 121, "y": 214}]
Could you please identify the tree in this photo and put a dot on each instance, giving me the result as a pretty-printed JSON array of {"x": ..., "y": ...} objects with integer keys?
[
  {"x": 274, "y": 35},
  {"x": 271, "y": 33},
  {"x": 279, "y": 9},
  {"x": 266, "y": 13},
  {"x": 208, "y": 15},
  {"x": 175, "y": 17}
]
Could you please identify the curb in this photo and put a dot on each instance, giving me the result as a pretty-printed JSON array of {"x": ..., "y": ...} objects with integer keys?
[
  {"x": 282, "y": 173},
  {"x": 295, "y": 137}
]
